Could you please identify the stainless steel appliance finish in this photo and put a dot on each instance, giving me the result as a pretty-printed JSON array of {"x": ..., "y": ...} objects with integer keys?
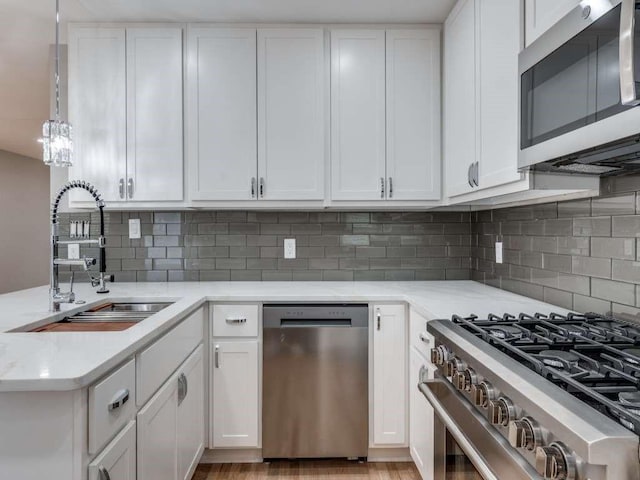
[
  {"x": 507, "y": 371},
  {"x": 579, "y": 84},
  {"x": 315, "y": 381}
]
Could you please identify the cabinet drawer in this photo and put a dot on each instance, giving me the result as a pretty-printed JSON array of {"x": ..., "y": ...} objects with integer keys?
[
  {"x": 234, "y": 321},
  {"x": 419, "y": 338},
  {"x": 156, "y": 363},
  {"x": 111, "y": 405},
  {"x": 118, "y": 459}
]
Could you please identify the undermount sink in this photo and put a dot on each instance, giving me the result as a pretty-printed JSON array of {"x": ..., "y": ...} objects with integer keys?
[{"x": 112, "y": 316}]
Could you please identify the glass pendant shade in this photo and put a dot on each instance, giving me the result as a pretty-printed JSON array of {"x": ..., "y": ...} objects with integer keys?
[{"x": 57, "y": 143}]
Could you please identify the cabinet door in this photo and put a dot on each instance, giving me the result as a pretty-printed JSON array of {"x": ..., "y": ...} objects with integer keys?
[
  {"x": 118, "y": 459},
  {"x": 499, "y": 29},
  {"x": 235, "y": 401},
  {"x": 97, "y": 109},
  {"x": 357, "y": 114},
  {"x": 413, "y": 114},
  {"x": 420, "y": 419},
  {"x": 540, "y": 15},
  {"x": 190, "y": 414},
  {"x": 460, "y": 140},
  {"x": 154, "y": 114},
  {"x": 221, "y": 113},
  {"x": 291, "y": 113},
  {"x": 157, "y": 435},
  {"x": 389, "y": 375}
]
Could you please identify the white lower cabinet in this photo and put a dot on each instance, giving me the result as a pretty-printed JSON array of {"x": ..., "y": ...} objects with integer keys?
[
  {"x": 191, "y": 414},
  {"x": 118, "y": 460},
  {"x": 169, "y": 441},
  {"x": 389, "y": 375},
  {"x": 420, "y": 418},
  {"x": 235, "y": 394}
]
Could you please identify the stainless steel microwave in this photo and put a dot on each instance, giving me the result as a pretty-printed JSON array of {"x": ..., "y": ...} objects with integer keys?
[{"x": 579, "y": 91}]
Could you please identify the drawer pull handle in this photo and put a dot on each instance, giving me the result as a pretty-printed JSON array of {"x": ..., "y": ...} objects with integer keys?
[
  {"x": 424, "y": 338},
  {"x": 236, "y": 321},
  {"x": 104, "y": 473},
  {"x": 119, "y": 400},
  {"x": 183, "y": 387},
  {"x": 217, "y": 356},
  {"x": 378, "y": 316}
]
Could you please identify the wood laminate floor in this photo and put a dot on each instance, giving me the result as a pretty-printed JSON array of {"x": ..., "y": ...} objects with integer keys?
[{"x": 308, "y": 470}]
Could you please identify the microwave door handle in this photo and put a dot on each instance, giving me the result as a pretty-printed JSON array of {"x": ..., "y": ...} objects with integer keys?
[{"x": 628, "y": 93}]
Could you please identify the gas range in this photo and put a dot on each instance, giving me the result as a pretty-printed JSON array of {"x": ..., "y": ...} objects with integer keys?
[{"x": 558, "y": 395}]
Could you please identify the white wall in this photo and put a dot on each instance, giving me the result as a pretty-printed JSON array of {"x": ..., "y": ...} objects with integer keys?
[{"x": 24, "y": 222}]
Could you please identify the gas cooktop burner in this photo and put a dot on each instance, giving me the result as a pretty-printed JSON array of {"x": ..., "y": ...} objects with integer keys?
[
  {"x": 506, "y": 332},
  {"x": 559, "y": 358},
  {"x": 630, "y": 399},
  {"x": 593, "y": 357}
]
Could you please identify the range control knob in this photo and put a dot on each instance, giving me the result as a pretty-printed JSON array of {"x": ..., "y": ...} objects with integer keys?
[
  {"x": 556, "y": 462},
  {"x": 440, "y": 355},
  {"x": 502, "y": 411},
  {"x": 483, "y": 393},
  {"x": 470, "y": 379},
  {"x": 525, "y": 433},
  {"x": 454, "y": 366}
]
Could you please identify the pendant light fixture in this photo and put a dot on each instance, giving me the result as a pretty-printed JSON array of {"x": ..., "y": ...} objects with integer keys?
[{"x": 57, "y": 135}]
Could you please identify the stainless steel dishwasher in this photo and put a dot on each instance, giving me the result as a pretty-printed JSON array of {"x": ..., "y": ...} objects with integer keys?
[{"x": 315, "y": 383}]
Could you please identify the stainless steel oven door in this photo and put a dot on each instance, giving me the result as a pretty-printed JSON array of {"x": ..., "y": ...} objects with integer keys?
[{"x": 466, "y": 445}]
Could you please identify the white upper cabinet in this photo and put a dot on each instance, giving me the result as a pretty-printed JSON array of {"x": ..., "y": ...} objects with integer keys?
[
  {"x": 413, "y": 114},
  {"x": 357, "y": 114},
  {"x": 460, "y": 140},
  {"x": 499, "y": 40},
  {"x": 221, "y": 113},
  {"x": 154, "y": 114},
  {"x": 97, "y": 109},
  {"x": 291, "y": 113},
  {"x": 126, "y": 105},
  {"x": 482, "y": 41},
  {"x": 540, "y": 15}
]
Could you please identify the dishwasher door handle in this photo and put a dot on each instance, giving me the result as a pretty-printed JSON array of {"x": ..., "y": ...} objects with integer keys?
[{"x": 293, "y": 323}]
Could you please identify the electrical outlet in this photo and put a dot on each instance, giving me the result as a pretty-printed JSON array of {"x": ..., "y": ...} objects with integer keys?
[
  {"x": 134, "y": 228},
  {"x": 289, "y": 248},
  {"x": 73, "y": 251},
  {"x": 498, "y": 252}
]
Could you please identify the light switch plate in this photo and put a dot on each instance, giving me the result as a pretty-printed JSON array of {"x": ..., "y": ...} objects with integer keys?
[
  {"x": 73, "y": 251},
  {"x": 498, "y": 252},
  {"x": 134, "y": 228},
  {"x": 289, "y": 248}
]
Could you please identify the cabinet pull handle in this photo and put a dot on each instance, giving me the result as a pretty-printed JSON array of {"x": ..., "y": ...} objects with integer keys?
[
  {"x": 628, "y": 92},
  {"x": 390, "y": 187},
  {"x": 469, "y": 175},
  {"x": 121, "y": 187},
  {"x": 130, "y": 188},
  {"x": 475, "y": 173},
  {"x": 183, "y": 387},
  {"x": 261, "y": 187},
  {"x": 381, "y": 187},
  {"x": 236, "y": 320},
  {"x": 253, "y": 187},
  {"x": 378, "y": 317},
  {"x": 118, "y": 400},
  {"x": 103, "y": 473},
  {"x": 424, "y": 338},
  {"x": 217, "y": 356}
]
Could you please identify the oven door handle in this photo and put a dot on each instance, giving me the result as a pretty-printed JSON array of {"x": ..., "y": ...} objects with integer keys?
[
  {"x": 628, "y": 91},
  {"x": 455, "y": 431}
]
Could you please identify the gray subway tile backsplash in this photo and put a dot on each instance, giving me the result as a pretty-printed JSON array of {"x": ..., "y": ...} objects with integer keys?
[
  {"x": 581, "y": 254},
  {"x": 586, "y": 259}
]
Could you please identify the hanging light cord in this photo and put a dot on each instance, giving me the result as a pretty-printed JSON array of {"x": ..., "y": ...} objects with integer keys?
[{"x": 57, "y": 60}]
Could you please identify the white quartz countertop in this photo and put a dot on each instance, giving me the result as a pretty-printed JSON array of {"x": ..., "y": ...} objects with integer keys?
[{"x": 70, "y": 360}]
